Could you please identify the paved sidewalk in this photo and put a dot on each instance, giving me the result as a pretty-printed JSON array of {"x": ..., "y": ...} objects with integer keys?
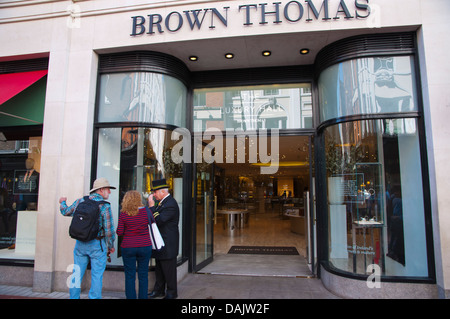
[
  {"x": 204, "y": 286},
  {"x": 17, "y": 292}
]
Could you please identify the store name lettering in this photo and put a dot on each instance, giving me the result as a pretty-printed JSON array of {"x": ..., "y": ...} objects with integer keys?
[{"x": 262, "y": 13}]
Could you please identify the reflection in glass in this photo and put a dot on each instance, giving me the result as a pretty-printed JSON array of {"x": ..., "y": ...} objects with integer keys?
[
  {"x": 151, "y": 152},
  {"x": 253, "y": 107},
  {"x": 375, "y": 197},
  {"x": 142, "y": 97},
  {"x": 131, "y": 158},
  {"x": 367, "y": 86},
  {"x": 204, "y": 221}
]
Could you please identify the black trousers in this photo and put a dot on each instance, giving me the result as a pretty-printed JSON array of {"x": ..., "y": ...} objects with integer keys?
[{"x": 166, "y": 276}]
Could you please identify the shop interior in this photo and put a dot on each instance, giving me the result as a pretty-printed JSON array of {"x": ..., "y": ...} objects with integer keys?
[{"x": 263, "y": 210}]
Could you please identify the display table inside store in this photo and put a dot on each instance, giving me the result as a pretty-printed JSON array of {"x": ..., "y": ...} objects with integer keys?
[
  {"x": 234, "y": 218},
  {"x": 297, "y": 221}
]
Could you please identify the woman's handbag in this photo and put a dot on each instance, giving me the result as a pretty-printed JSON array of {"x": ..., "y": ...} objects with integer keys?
[{"x": 155, "y": 235}]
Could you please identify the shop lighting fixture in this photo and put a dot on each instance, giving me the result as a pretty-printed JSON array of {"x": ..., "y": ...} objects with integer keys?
[
  {"x": 304, "y": 51},
  {"x": 229, "y": 55},
  {"x": 266, "y": 53},
  {"x": 282, "y": 164},
  {"x": 193, "y": 58}
]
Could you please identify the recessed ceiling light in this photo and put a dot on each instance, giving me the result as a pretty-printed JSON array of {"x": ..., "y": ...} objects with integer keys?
[
  {"x": 193, "y": 58},
  {"x": 304, "y": 51},
  {"x": 266, "y": 53},
  {"x": 229, "y": 55}
]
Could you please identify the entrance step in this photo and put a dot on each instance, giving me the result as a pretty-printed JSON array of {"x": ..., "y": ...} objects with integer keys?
[{"x": 259, "y": 265}]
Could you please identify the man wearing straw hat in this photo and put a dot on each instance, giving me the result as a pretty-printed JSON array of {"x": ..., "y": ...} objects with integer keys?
[
  {"x": 167, "y": 215},
  {"x": 95, "y": 250}
]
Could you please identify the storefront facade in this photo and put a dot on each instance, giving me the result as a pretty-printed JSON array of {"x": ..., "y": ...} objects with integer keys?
[{"x": 145, "y": 90}]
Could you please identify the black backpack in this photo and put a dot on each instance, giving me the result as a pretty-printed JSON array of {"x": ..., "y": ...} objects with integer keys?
[{"x": 85, "y": 223}]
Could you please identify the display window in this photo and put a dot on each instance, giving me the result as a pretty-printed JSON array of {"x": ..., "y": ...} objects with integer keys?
[
  {"x": 375, "y": 211},
  {"x": 20, "y": 162},
  {"x": 22, "y": 99},
  {"x": 132, "y": 157},
  {"x": 375, "y": 197},
  {"x": 137, "y": 113}
]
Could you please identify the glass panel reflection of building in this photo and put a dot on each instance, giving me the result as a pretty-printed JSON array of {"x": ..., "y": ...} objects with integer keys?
[
  {"x": 374, "y": 176},
  {"x": 252, "y": 108}
]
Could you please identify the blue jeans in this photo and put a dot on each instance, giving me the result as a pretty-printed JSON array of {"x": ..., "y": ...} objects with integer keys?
[
  {"x": 141, "y": 256},
  {"x": 95, "y": 251}
]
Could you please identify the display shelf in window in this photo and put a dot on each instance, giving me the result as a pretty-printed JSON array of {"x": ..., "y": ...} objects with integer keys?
[{"x": 370, "y": 194}]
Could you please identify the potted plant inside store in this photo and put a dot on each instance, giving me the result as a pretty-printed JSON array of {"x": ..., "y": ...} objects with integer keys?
[{"x": 340, "y": 160}]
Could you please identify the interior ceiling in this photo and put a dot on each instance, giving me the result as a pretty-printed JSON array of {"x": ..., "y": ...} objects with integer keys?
[
  {"x": 285, "y": 48},
  {"x": 291, "y": 150}
]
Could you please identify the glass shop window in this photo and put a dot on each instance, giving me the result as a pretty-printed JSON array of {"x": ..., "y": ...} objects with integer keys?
[
  {"x": 368, "y": 86},
  {"x": 142, "y": 97},
  {"x": 20, "y": 162},
  {"x": 131, "y": 158},
  {"x": 375, "y": 197},
  {"x": 250, "y": 108}
]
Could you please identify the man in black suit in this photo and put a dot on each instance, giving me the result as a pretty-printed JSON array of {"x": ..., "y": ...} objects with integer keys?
[{"x": 167, "y": 215}]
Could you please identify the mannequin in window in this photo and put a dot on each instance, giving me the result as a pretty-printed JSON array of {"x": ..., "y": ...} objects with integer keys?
[{"x": 29, "y": 186}]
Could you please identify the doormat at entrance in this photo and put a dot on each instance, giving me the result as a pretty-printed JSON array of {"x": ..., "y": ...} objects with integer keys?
[{"x": 263, "y": 250}]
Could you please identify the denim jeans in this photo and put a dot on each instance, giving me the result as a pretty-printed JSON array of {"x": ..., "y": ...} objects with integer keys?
[
  {"x": 95, "y": 251},
  {"x": 141, "y": 256}
]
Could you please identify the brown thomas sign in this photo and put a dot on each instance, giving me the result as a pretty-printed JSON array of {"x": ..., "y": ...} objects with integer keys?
[{"x": 291, "y": 12}]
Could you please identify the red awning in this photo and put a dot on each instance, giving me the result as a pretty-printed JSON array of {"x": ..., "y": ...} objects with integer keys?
[{"x": 12, "y": 84}]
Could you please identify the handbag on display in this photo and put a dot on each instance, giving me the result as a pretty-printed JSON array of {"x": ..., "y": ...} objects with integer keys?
[{"x": 155, "y": 235}]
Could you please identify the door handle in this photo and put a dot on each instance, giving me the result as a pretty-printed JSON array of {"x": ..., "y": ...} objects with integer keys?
[{"x": 215, "y": 210}]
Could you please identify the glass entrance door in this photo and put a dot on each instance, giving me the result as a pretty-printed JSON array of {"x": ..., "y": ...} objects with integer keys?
[
  {"x": 204, "y": 215},
  {"x": 255, "y": 209},
  {"x": 309, "y": 199}
]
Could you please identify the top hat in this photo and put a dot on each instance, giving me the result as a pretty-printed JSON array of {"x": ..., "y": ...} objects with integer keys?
[
  {"x": 100, "y": 183},
  {"x": 159, "y": 184}
]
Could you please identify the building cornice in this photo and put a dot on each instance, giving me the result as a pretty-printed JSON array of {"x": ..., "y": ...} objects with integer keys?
[{"x": 81, "y": 8}]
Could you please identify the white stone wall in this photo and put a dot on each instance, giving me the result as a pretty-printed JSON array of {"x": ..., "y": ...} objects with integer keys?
[{"x": 30, "y": 29}]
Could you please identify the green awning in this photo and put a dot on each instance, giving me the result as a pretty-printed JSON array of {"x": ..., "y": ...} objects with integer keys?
[{"x": 25, "y": 108}]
